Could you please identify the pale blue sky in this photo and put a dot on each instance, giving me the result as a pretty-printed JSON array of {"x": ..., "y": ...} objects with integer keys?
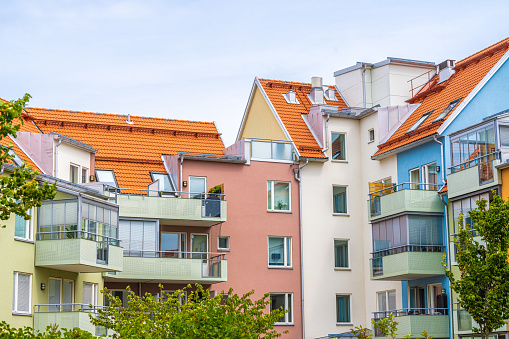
[{"x": 197, "y": 60}]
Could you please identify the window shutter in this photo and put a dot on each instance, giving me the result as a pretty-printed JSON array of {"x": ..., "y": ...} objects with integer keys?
[
  {"x": 149, "y": 238},
  {"x": 23, "y": 293}
]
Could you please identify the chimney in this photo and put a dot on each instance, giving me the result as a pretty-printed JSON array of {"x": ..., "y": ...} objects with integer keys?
[
  {"x": 316, "y": 94},
  {"x": 445, "y": 70}
]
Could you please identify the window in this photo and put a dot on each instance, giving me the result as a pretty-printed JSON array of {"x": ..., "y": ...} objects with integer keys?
[
  {"x": 89, "y": 294},
  {"x": 386, "y": 301},
  {"x": 84, "y": 175},
  {"x": 339, "y": 199},
  {"x": 22, "y": 293},
  {"x": 73, "y": 174},
  {"x": 197, "y": 186},
  {"x": 280, "y": 251},
  {"x": 278, "y": 196},
  {"x": 338, "y": 146},
  {"x": 429, "y": 176},
  {"x": 464, "y": 320},
  {"x": 413, "y": 174},
  {"x": 420, "y": 121},
  {"x": 139, "y": 238},
  {"x": 23, "y": 227},
  {"x": 15, "y": 158},
  {"x": 164, "y": 181},
  {"x": 223, "y": 243},
  {"x": 371, "y": 135},
  {"x": 341, "y": 254},
  {"x": 446, "y": 111},
  {"x": 343, "y": 309},
  {"x": 173, "y": 244},
  {"x": 106, "y": 176},
  {"x": 291, "y": 97},
  {"x": 282, "y": 301},
  {"x": 120, "y": 294},
  {"x": 466, "y": 205},
  {"x": 199, "y": 246},
  {"x": 469, "y": 146}
]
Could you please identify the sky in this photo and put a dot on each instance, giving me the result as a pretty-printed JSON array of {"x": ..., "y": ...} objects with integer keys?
[{"x": 197, "y": 60}]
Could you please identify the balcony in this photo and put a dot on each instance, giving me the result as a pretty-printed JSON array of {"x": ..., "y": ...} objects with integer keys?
[
  {"x": 67, "y": 316},
  {"x": 203, "y": 210},
  {"x": 406, "y": 197},
  {"x": 172, "y": 267},
  {"x": 474, "y": 175},
  {"x": 77, "y": 251},
  {"x": 407, "y": 263},
  {"x": 415, "y": 320}
]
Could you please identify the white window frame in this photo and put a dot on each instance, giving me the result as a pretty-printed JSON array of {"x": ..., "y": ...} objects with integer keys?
[
  {"x": 198, "y": 177},
  {"x": 78, "y": 173},
  {"x": 272, "y": 209},
  {"x": 369, "y": 135},
  {"x": 414, "y": 187},
  {"x": 425, "y": 172},
  {"x": 106, "y": 170},
  {"x": 94, "y": 292},
  {"x": 387, "y": 300},
  {"x": 29, "y": 227},
  {"x": 285, "y": 252},
  {"x": 286, "y": 322},
  {"x": 349, "y": 308},
  {"x": 346, "y": 194},
  {"x": 84, "y": 169},
  {"x": 347, "y": 268},
  {"x": 227, "y": 242},
  {"x": 346, "y": 147},
  {"x": 15, "y": 310}
]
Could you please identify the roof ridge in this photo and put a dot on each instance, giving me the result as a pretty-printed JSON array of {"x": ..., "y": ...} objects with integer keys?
[
  {"x": 292, "y": 82},
  {"x": 494, "y": 46},
  {"x": 119, "y": 115}
]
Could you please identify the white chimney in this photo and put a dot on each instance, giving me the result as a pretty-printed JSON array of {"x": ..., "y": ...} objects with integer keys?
[
  {"x": 292, "y": 97},
  {"x": 317, "y": 96},
  {"x": 445, "y": 70}
]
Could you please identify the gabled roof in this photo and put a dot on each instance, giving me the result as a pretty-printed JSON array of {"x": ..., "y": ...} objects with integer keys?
[
  {"x": 291, "y": 114},
  {"x": 469, "y": 72},
  {"x": 131, "y": 150}
]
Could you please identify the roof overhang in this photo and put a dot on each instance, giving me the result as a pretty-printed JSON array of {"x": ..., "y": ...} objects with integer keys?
[
  {"x": 74, "y": 142},
  {"x": 404, "y": 147}
]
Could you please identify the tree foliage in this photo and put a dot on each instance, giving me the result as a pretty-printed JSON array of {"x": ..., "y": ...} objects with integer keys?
[
  {"x": 483, "y": 284},
  {"x": 52, "y": 332},
  {"x": 19, "y": 190},
  {"x": 200, "y": 317}
]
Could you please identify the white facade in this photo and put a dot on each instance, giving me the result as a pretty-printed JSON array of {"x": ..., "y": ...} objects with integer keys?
[{"x": 322, "y": 281}]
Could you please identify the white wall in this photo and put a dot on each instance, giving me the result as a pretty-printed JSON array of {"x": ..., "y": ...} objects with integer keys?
[{"x": 67, "y": 155}]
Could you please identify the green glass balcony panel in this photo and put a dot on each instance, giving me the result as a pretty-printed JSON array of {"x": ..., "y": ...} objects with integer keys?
[
  {"x": 174, "y": 270},
  {"x": 463, "y": 323},
  {"x": 173, "y": 211},
  {"x": 406, "y": 266},
  {"x": 467, "y": 180},
  {"x": 435, "y": 325},
  {"x": 66, "y": 320},
  {"x": 406, "y": 200},
  {"x": 76, "y": 255}
]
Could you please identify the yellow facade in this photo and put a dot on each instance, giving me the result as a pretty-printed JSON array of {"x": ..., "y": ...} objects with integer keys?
[{"x": 505, "y": 183}]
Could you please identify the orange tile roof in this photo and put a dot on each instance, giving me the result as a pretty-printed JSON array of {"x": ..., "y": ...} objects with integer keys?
[
  {"x": 469, "y": 72},
  {"x": 291, "y": 114},
  {"x": 132, "y": 151},
  {"x": 443, "y": 189}
]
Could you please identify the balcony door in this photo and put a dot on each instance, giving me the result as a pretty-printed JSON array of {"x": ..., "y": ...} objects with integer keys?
[
  {"x": 199, "y": 246},
  {"x": 173, "y": 245},
  {"x": 414, "y": 178},
  {"x": 60, "y": 294},
  {"x": 437, "y": 300},
  {"x": 417, "y": 300},
  {"x": 429, "y": 176},
  {"x": 197, "y": 186}
]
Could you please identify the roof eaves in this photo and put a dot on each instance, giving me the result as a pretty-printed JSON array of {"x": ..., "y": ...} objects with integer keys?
[
  {"x": 352, "y": 68},
  {"x": 249, "y": 100},
  {"x": 75, "y": 142},
  {"x": 404, "y": 147},
  {"x": 473, "y": 93}
]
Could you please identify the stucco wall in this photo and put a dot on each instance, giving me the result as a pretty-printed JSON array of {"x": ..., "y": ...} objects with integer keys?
[{"x": 68, "y": 154}]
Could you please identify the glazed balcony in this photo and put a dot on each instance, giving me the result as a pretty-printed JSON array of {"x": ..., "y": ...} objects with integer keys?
[
  {"x": 415, "y": 320},
  {"x": 172, "y": 267},
  {"x": 476, "y": 174},
  {"x": 67, "y": 316},
  {"x": 407, "y": 263},
  {"x": 404, "y": 198},
  {"x": 174, "y": 208}
]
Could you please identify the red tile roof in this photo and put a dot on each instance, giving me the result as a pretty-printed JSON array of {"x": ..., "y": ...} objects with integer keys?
[
  {"x": 131, "y": 150},
  {"x": 291, "y": 114},
  {"x": 469, "y": 72}
]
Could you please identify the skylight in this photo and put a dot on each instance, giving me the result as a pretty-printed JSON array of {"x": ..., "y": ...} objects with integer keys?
[
  {"x": 164, "y": 181},
  {"x": 291, "y": 97},
  {"x": 420, "y": 121},
  {"x": 446, "y": 111},
  {"x": 17, "y": 160},
  {"x": 106, "y": 176}
]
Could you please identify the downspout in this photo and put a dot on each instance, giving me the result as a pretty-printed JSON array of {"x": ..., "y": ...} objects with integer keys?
[
  {"x": 441, "y": 158},
  {"x": 55, "y": 171},
  {"x": 364, "y": 86},
  {"x": 181, "y": 179},
  {"x": 297, "y": 177},
  {"x": 326, "y": 136},
  {"x": 449, "y": 265}
]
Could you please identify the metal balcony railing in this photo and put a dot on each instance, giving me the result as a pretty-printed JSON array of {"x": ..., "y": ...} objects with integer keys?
[
  {"x": 377, "y": 260},
  {"x": 42, "y": 308},
  {"x": 411, "y": 311},
  {"x": 375, "y": 197},
  {"x": 484, "y": 163}
]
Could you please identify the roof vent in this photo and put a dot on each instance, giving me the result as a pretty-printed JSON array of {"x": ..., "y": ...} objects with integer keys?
[
  {"x": 316, "y": 96},
  {"x": 291, "y": 97},
  {"x": 129, "y": 121},
  {"x": 445, "y": 70}
]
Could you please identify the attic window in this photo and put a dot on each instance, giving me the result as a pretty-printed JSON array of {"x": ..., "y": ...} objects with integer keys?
[
  {"x": 106, "y": 176},
  {"x": 330, "y": 94},
  {"x": 449, "y": 108},
  {"x": 291, "y": 97},
  {"x": 420, "y": 121},
  {"x": 15, "y": 158},
  {"x": 164, "y": 181}
]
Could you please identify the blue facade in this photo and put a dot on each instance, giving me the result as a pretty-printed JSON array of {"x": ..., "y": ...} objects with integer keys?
[{"x": 416, "y": 158}]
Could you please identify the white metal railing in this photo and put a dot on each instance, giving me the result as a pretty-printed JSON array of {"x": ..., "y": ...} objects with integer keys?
[
  {"x": 74, "y": 307},
  {"x": 412, "y": 311}
]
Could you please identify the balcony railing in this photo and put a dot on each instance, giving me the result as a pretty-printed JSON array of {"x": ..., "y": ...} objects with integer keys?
[
  {"x": 272, "y": 149},
  {"x": 67, "y": 316},
  {"x": 67, "y": 308},
  {"x": 414, "y": 320},
  {"x": 377, "y": 261},
  {"x": 484, "y": 159},
  {"x": 411, "y": 311}
]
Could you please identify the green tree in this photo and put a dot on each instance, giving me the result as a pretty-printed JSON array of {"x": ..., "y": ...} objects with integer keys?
[
  {"x": 483, "y": 284},
  {"x": 19, "y": 190},
  {"x": 199, "y": 317},
  {"x": 52, "y": 332}
]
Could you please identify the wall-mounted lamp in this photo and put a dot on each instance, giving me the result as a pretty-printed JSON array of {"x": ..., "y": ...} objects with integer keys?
[
  {"x": 438, "y": 169},
  {"x": 184, "y": 183},
  {"x": 43, "y": 286},
  {"x": 443, "y": 290},
  {"x": 92, "y": 178}
]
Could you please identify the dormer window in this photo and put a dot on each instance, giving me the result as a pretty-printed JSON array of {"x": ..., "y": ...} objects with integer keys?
[
  {"x": 420, "y": 121},
  {"x": 164, "y": 181},
  {"x": 446, "y": 111},
  {"x": 330, "y": 94},
  {"x": 106, "y": 176},
  {"x": 15, "y": 158},
  {"x": 291, "y": 97}
]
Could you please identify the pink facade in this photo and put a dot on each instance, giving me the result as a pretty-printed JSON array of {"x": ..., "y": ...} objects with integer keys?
[{"x": 249, "y": 225}]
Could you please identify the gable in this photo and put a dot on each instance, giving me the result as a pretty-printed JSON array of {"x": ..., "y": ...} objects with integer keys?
[{"x": 260, "y": 122}]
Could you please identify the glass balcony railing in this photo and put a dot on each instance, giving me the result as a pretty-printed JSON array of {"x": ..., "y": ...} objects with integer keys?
[
  {"x": 67, "y": 316},
  {"x": 272, "y": 149}
]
